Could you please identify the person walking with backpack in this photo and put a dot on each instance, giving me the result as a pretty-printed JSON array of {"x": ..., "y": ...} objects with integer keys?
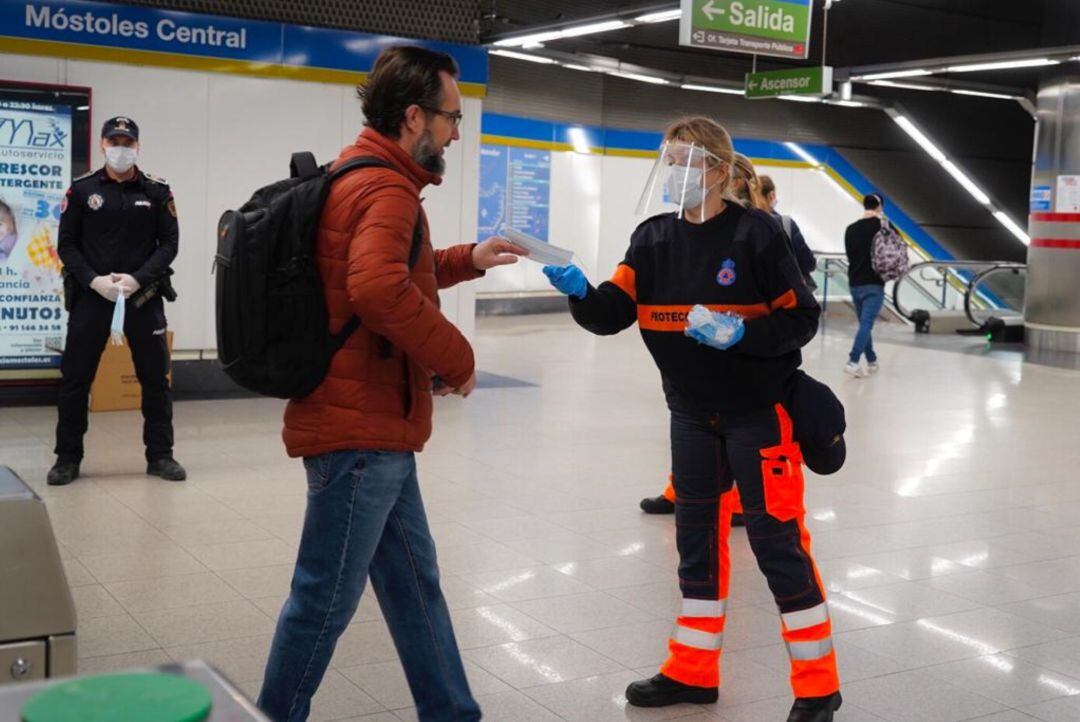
[
  {"x": 359, "y": 430},
  {"x": 867, "y": 287}
]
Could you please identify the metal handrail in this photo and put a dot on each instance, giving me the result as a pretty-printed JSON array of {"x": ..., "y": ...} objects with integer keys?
[
  {"x": 1014, "y": 268},
  {"x": 949, "y": 274}
]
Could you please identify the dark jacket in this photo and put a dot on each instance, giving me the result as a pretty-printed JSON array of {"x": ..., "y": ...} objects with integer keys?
[
  {"x": 738, "y": 261},
  {"x": 111, "y": 227},
  {"x": 859, "y": 245}
]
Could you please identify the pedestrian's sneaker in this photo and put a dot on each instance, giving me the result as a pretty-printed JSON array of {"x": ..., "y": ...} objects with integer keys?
[
  {"x": 62, "y": 473},
  {"x": 815, "y": 709},
  {"x": 167, "y": 469},
  {"x": 657, "y": 505},
  {"x": 854, "y": 369},
  {"x": 873, "y": 367},
  {"x": 661, "y": 691}
]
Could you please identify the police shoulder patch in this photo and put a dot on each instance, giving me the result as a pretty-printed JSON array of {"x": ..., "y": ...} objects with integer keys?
[{"x": 171, "y": 205}]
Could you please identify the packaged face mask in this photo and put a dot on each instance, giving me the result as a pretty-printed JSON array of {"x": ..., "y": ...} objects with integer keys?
[
  {"x": 720, "y": 327},
  {"x": 539, "y": 251},
  {"x": 116, "y": 329}
]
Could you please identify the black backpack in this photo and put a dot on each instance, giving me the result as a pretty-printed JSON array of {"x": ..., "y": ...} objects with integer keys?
[{"x": 273, "y": 328}]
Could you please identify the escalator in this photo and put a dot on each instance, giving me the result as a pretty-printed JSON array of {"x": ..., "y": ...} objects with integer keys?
[
  {"x": 950, "y": 297},
  {"x": 965, "y": 297},
  {"x": 831, "y": 276}
]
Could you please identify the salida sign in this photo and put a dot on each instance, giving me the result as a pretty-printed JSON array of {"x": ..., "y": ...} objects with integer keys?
[{"x": 779, "y": 28}]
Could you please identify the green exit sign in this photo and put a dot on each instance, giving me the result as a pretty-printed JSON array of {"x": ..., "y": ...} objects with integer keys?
[
  {"x": 779, "y": 28},
  {"x": 816, "y": 81}
]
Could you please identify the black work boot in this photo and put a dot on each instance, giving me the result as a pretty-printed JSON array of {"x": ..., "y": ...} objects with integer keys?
[
  {"x": 63, "y": 473},
  {"x": 167, "y": 469},
  {"x": 657, "y": 505},
  {"x": 815, "y": 709},
  {"x": 661, "y": 691}
]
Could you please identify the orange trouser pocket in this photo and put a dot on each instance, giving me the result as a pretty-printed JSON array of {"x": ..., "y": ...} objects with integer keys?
[{"x": 782, "y": 479}]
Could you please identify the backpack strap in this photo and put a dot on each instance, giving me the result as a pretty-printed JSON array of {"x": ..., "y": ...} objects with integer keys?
[
  {"x": 303, "y": 165},
  {"x": 360, "y": 161},
  {"x": 385, "y": 347}
]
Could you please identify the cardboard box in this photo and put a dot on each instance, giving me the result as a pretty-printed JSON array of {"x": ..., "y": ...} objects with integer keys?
[{"x": 115, "y": 387}]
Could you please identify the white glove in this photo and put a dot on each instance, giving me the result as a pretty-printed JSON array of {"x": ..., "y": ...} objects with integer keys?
[
  {"x": 127, "y": 282},
  {"x": 105, "y": 286}
]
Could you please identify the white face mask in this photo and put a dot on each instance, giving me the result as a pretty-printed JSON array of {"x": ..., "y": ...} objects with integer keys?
[
  {"x": 684, "y": 186},
  {"x": 120, "y": 158}
]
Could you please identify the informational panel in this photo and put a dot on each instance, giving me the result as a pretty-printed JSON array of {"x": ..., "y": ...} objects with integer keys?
[
  {"x": 814, "y": 82},
  {"x": 515, "y": 191},
  {"x": 760, "y": 27},
  {"x": 38, "y": 149},
  {"x": 1068, "y": 194},
  {"x": 1040, "y": 198}
]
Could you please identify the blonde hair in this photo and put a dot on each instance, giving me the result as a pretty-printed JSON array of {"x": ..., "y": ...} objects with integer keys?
[
  {"x": 747, "y": 186},
  {"x": 711, "y": 136}
]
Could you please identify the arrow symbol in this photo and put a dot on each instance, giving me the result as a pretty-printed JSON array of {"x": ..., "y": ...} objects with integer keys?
[
  {"x": 711, "y": 11},
  {"x": 753, "y": 85}
]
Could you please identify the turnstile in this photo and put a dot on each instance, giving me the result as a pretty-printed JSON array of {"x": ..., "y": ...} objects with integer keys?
[
  {"x": 228, "y": 703},
  {"x": 37, "y": 614}
]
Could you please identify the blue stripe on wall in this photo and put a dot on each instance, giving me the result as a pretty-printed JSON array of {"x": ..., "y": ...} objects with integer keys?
[{"x": 640, "y": 140}]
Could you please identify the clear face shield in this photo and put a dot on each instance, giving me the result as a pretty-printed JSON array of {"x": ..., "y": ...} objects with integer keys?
[{"x": 680, "y": 182}]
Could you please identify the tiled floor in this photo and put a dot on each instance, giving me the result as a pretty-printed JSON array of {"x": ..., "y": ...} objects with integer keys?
[{"x": 949, "y": 541}]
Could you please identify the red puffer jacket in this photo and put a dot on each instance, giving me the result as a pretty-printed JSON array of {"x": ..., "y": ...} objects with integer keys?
[{"x": 371, "y": 400}]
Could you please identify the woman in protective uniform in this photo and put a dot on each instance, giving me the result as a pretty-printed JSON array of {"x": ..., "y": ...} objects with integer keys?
[
  {"x": 746, "y": 189},
  {"x": 723, "y": 309}
]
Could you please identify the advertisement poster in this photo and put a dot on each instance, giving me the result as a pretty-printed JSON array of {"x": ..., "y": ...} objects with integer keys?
[
  {"x": 515, "y": 191},
  {"x": 36, "y": 160}
]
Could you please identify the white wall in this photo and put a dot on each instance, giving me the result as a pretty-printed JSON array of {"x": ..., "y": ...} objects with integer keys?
[
  {"x": 216, "y": 138},
  {"x": 593, "y": 203},
  {"x": 821, "y": 208}
]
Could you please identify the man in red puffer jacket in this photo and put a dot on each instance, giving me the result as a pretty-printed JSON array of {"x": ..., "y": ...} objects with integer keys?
[{"x": 358, "y": 431}]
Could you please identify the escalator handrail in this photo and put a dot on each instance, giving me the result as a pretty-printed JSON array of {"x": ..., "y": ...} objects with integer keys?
[
  {"x": 1001, "y": 266},
  {"x": 942, "y": 267}
]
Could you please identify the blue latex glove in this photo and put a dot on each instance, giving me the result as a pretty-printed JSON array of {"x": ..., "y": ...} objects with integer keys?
[
  {"x": 705, "y": 331},
  {"x": 568, "y": 279}
]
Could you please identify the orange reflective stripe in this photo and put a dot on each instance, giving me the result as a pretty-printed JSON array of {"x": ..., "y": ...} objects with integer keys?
[
  {"x": 669, "y": 492},
  {"x": 723, "y": 551},
  {"x": 626, "y": 279},
  {"x": 804, "y": 541},
  {"x": 788, "y": 300},
  {"x": 712, "y": 625},
  {"x": 810, "y": 634},
  {"x": 816, "y": 678},
  {"x": 786, "y": 427},
  {"x": 672, "y": 319},
  {"x": 697, "y": 667}
]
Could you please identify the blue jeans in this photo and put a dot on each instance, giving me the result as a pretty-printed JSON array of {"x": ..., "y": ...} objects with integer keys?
[
  {"x": 868, "y": 301},
  {"x": 365, "y": 517}
]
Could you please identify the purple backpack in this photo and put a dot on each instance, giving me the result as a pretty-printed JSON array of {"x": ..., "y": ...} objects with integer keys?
[{"x": 889, "y": 253}]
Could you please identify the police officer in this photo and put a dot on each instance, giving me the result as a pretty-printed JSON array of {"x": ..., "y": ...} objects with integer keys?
[{"x": 118, "y": 235}]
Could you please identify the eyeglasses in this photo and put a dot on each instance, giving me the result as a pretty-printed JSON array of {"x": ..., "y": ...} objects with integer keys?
[{"x": 452, "y": 116}]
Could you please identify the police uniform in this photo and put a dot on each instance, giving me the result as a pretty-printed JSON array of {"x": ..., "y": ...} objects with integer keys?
[
  {"x": 729, "y": 427},
  {"x": 108, "y": 227}
]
